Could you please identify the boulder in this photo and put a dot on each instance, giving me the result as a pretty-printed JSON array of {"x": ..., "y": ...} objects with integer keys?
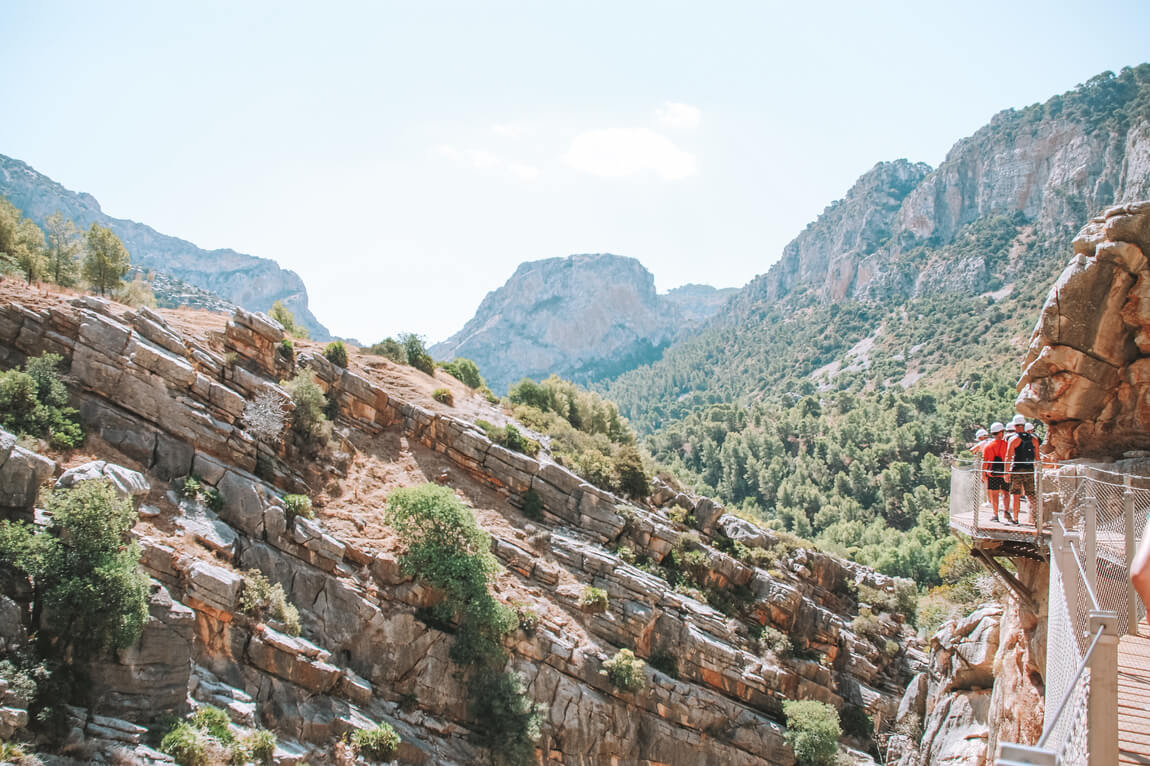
[{"x": 126, "y": 482}]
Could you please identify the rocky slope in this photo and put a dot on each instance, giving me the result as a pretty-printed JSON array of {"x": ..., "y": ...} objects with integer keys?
[
  {"x": 164, "y": 396},
  {"x": 583, "y": 317},
  {"x": 244, "y": 280}
]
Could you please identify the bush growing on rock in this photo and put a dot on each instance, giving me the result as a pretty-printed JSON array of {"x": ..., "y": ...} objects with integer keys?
[
  {"x": 856, "y": 723},
  {"x": 336, "y": 353},
  {"x": 189, "y": 745},
  {"x": 85, "y": 568},
  {"x": 532, "y": 505},
  {"x": 35, "y": 403},
  {"x": 257, "y": 746},
  {"x": 446, "y": 548},
  {"x": 416, "y": 353},
  {"x": 776, "y": 642},
  {"x": 625, "y": 671},
  {"x": 465, "y": 371},
  {"x": 813, "y": 732},
  {"x": 632, "y": 477},
  {"x": 509, "y": 437},
  {"x": 285, "y": 317},
  {"x": 259, "y": 599},
  {"x": 377, "y": 744},
  {"x": 308, "y": 418},
  {"x": 443, "y": 396},
  {"x": 390, "y": 348},
  {"x": 214, "y": 721},
  {"x": 297, "y": 505},
  {"x": 594, "y": 600}
]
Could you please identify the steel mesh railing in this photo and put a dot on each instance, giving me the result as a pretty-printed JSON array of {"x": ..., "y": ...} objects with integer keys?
[
  {"x": 971, "y": 513},
  {"x": 1097, "y": 519}
]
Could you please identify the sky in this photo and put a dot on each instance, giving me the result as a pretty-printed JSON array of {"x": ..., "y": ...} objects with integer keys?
[{"x": 404, "y": 158}]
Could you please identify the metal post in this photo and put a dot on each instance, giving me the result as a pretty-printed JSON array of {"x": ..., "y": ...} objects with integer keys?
[
  {"x": 1128, "y": 522},
  {"x": 1069, "y": 572},
  {"x": 1039, "y": 491},
  {"x": 975, "y": 476},
  {"x": 1090, "y": 537},
  {"x": 1102, "y": 718}
]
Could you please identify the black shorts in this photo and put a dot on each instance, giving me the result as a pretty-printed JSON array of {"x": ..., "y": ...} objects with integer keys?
[{"x": 997, "y": 483}]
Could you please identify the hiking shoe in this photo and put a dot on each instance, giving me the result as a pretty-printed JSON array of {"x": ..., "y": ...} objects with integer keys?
[{"x": 995, "y": 518}]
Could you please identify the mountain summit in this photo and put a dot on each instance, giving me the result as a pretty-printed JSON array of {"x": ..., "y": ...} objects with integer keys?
[{"x": 583, "y": 317}]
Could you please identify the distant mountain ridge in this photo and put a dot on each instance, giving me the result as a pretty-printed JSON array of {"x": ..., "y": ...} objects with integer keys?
[
  {"x": 244, "y": 280},
  {"x": 583, "y": 317},
  {"x": 917, "y": 273}
]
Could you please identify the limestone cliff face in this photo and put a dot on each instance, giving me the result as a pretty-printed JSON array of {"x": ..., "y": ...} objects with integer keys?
[
  {"x": 582, "y": 317},
  {"x": 1087, "y": 371},
  {"x": 244, "y": 280},
  {"x": 1043, "y": 166}
]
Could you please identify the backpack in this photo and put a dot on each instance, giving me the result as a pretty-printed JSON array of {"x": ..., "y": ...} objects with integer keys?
[{"x": 1024, "y": 452}]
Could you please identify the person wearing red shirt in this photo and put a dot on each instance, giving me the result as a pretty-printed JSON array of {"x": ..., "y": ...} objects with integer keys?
[
  {"x": 994, "y": 469},
  {"x": 1021, "y": 452}
]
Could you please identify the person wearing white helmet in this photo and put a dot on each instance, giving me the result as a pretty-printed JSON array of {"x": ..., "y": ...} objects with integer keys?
[
  {"x": 994, "y": 468},
  {"x": 981, "y": 439},
  {"x": 1021, "y": 452}
]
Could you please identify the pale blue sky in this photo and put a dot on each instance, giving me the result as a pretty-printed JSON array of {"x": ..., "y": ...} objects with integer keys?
[{"x": 404, "y": 158}]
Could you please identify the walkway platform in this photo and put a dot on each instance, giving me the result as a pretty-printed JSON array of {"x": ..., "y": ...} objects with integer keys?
[{"x": 1134, "y": 697}]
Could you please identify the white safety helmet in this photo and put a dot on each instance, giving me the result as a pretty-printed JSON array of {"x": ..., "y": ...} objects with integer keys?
[
  {"x": 997, "y": 428},
  {"x": 1029, "y": 428},
  {"x": 1019, "y": 420},
  {"x": 981, "y": 434}
]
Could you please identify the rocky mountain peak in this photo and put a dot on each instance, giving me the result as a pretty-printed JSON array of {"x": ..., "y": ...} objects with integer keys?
[{"x": 581, "y": 317}]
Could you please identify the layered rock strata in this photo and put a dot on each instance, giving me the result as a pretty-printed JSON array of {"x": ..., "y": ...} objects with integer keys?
[{"x": 175, "y": 406}]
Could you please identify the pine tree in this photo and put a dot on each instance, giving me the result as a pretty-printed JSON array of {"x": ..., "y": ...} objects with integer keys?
[{"x": 106, "y": 261}]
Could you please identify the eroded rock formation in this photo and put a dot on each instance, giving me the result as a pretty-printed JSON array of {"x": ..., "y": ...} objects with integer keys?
[{"x": 1087, "y": 371}]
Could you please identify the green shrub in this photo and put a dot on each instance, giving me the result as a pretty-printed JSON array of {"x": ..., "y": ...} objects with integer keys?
[
  {"x": 509, "y": 437},
  {"x": 258, "y": 746},
  {"x": 665, "y": 662},
  {"x": 11, "y": 752},
  {"x": 259, "y": 599},
  {"x": 776, "y": 642},
  {"x": 416, "y": 353},
  {"x": 506, "y": 721},
  {"x": 625, "y": 671},
  {"x": 594, "y": 600},
  {"x": 443, "y": 396},
  {"x": 285, "y": 317},
  {"x": 527, "y": 616},
  {"x": 489, "y": 395},
  {"x": 336, "y": 353},
  {"x": 813, "y": 732},
  {"x": 444, "y": 547},
  {"x": 308, "y": 418},
  {"x": 35, "y": 403},
  {"x": 856, "y": 723},
  {"x": 287, "y": 349},
  {"x": 390, "y": 348},
  {"x": 187, "y": 744},
  {"x": 465, "y": 371},
  {"x": 868, "y": 626},
  {"x": 378, "y": 744},
  {"x": 632, "y": 477},
  {"x": 297, "y": 505},
  {"x": 890, "y": 648},
  {"x": 215, "y": 722},
  {"x": 532, "y": 505},
  {"x": 85, "y": 568},
  {"x": 191, "y": 487}
]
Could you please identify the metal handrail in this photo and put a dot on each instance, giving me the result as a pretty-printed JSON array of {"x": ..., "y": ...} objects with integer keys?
[
  {"x": 1094, "y": 603},
  {"x": 1070, "y": 688}
]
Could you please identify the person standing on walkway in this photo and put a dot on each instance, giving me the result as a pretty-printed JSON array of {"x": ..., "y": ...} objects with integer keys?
[
  {"x": 981, "y": 439},
  {"x": 1021, "y": 452},
  {"x": 994, "y": 469}
]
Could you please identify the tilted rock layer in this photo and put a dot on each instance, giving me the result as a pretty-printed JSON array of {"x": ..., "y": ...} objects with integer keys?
[{"x": 172, "y": 404}]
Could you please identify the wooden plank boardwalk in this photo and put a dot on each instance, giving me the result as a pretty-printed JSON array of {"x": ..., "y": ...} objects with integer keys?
[{"x": 1134, "y": 698}]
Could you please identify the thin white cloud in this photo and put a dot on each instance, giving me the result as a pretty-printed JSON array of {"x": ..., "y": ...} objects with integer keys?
[
  {"x": 481, "y": 159},
  {"x": 678, "y": 116},
  {"x": 621, "y": 152}
]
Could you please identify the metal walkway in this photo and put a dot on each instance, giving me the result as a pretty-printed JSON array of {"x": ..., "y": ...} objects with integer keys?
[{"x": 1097, "y": 707}]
